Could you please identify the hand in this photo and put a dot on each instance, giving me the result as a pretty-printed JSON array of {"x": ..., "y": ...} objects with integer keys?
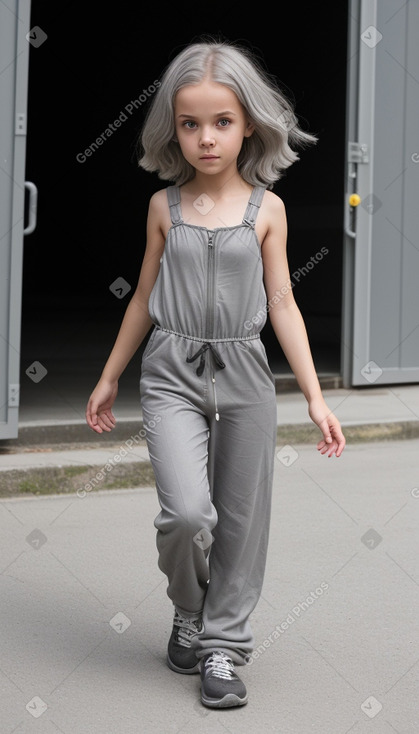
[
  {"x": 333, "y": 441},
  {"x": 99, "y": 414}
]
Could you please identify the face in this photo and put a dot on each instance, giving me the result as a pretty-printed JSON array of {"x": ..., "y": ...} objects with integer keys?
[{"x": 210, "y": 126}]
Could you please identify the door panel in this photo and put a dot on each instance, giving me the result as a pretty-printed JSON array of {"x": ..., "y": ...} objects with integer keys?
[
  {"x": 14, "y": 57},
  {"x": 380, "y": 341}
]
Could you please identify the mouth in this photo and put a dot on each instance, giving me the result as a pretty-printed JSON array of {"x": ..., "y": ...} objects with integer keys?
[{"x": 208, "y": 157}]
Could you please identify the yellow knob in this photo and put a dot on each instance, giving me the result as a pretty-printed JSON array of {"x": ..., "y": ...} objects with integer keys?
[{"x": 354, "y": 200}]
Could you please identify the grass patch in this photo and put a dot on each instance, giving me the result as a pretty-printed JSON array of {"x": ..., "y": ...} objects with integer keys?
[{"x": 68, "y": 480}]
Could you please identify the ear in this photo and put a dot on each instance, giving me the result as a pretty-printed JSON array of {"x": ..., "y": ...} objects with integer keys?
[{"x": 249, "y": 129}]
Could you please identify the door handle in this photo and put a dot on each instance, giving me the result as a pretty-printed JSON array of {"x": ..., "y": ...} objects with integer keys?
[
  {"x": 348, "y": 207},
  {"x": 33, "y": 207},
  {"x": 353, "y": 201},
  {"x": 357, "y": 153}
]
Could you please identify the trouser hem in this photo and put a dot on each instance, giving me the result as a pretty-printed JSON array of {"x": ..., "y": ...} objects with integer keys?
[
  {"x": 188, "y": 615},
  {"x": 237, "y": 658}
]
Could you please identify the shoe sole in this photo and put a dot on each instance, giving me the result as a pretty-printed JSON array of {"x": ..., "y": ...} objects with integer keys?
[
  {"x": 183, "y": 671},
  {"x": 227, "y": 701}
]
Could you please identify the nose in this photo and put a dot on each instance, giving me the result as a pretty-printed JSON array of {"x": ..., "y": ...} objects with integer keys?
[{"x": 207, "y": 139}]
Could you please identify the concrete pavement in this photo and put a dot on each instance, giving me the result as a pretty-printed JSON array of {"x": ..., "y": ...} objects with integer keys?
[
  {"x": 86, "y": 618},
  {"x": 85, "y": 615}
]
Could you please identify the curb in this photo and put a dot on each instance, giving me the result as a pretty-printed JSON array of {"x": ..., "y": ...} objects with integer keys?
[
  {"x": 67, "y": 435},
  {"x": 77, "y": 431},
  {"x": 354, "y": 433},
  {"x": 69, "y": 479}
]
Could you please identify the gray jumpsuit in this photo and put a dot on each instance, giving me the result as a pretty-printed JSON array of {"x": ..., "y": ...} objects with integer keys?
[{"x": 209, "y": 411}]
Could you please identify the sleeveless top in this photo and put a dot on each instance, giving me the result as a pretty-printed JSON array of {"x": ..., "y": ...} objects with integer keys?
[{"x": 210, "y": 282}]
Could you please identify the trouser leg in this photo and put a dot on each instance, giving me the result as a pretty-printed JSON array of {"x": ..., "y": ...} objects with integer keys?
[
  {"x": 216, "y": 489},
  {"x": 241, "y": 463},
  {"x": 178, "y": 449}
]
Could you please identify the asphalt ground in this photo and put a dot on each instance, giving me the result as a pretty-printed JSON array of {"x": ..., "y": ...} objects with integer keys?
[
  {"x": 86, "y": 618},
  {"x": 85, "y": 614}
]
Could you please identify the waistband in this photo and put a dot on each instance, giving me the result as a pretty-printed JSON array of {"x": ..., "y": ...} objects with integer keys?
[
  {"x": 207, "y": 344},
  {"x": 203, "y": 339}
]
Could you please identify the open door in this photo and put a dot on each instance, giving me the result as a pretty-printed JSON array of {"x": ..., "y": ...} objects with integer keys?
[
  {"x": 380, "y": 337},
  {"x": 15, "y": 40}
]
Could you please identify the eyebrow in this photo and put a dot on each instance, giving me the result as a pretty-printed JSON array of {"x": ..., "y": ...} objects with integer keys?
[{"x": 218, "y": 114}]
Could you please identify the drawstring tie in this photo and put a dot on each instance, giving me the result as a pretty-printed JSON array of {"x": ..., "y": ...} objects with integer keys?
[{"x": 201, "y": 353}]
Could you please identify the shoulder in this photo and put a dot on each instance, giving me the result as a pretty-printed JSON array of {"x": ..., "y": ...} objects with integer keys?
[
  {"x": 158, "y": 201},
  {"x": 272, "y": 204},
  {"x": 158, "y": 211},
  {"x": 272, "y": 219}
]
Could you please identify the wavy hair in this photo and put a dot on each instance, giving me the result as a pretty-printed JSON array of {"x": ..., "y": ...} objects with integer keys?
[{"x": 264, "y": 155}]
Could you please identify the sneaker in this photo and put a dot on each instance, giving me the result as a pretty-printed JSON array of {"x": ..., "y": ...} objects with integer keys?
[
  {"x": 220, "y": 685},
  {"x": 180, "y": 656}
]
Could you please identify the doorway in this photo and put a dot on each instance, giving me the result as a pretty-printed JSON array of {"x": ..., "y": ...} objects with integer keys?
[{"x": 91, "y": 213}]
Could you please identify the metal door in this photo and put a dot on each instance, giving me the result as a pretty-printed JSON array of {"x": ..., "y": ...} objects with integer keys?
[
  {"x": 380, "y": 338},
  {"x": 15, "y": 39}
]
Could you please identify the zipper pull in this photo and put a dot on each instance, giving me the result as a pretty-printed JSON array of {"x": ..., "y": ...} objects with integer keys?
[{"x": 217, "y": 415}]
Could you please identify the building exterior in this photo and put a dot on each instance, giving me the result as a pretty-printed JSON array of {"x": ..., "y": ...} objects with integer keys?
[{"x": 380, "y": 296}]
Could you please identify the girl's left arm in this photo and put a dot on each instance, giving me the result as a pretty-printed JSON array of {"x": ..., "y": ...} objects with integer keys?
[{"x": 289, "y": 326}]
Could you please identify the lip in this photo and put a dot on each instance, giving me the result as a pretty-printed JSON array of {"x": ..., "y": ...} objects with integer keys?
[{"x": 209, "y": 157}]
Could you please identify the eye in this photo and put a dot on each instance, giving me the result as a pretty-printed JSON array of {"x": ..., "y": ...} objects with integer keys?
[
  {"x": 189, "y": 124},
  {"x": 223, "y": 122}
]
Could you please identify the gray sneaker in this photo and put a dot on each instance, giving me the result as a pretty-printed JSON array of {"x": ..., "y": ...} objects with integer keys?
[
  {"x": 220, "y": 685},
  {"x": 180, "y": 656}
]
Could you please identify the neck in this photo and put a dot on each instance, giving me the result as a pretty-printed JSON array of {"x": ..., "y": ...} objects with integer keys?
[{"x": 219, "y": 184}]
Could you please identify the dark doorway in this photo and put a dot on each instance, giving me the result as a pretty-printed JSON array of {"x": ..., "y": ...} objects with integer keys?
[{"x": 91, "y": 213}]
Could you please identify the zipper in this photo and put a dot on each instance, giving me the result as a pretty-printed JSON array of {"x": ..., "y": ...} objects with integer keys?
[
  {"x": 210, "y": 307},
  {"x": 210, "y": 287},
  {"x": 209, "y": 323}
]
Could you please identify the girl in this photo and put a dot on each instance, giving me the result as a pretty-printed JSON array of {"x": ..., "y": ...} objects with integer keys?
[{"x": 214, "y": 267}]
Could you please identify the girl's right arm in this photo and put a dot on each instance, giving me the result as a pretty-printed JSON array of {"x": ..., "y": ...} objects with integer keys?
[{"x": 135, "y": 325}]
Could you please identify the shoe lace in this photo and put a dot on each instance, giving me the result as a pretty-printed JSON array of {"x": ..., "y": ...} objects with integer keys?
[
  {"x": 186, "y": 629},
  {"x": 220, "y": 665}
]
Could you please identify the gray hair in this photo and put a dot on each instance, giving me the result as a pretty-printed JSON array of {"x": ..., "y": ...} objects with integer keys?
[{"x": 264, "y": 155}]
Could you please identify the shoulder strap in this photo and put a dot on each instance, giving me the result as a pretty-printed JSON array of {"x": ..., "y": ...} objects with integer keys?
[
  {"x": 173, "y": 198},
  {"x": 253, "y": 205}
]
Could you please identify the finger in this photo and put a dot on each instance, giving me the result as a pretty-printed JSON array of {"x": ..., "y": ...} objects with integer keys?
[
  {"x": 338, "y": 447},
  {"x": 339, "y": 439},
  {"x": 91, "y": 420},
  {"x": 332, "y": 449},
  {"x": 91, "y": 412},
  {"x": 94, "y": 425},
  {"x": 327, "y": 448},
  {"x": 108, "y": 420},
  {"x": 111, "y": 417},
  {"x": 104, "y": 426},
  {"x": 96, "y": 429},
  {"x": 341, "y": 446},
  {"x": 324, "y": 427},
  {"x": 322, "y": 447}
]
